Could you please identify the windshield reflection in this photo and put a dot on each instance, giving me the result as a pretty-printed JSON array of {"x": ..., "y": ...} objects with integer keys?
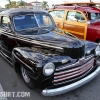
[{"x": 30, "y": 22}]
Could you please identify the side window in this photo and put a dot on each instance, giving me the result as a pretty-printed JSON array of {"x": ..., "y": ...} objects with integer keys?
[
  {"x": 47, "y": 20},
  {"x": 5, "y": 22},
  {"x": 57, "y": 14},
  {"x": 75, "y": 16},
  {"x": 53, "y": 14},
  {"x": 60, "y": 14},
  {"x": 95, "y": 16},
  {"x": 43, "y": 20}
]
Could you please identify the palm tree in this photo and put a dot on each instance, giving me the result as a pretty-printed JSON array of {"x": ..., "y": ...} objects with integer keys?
[
  {"x": 7, "y": 6},
  {"x": 14, "y": 4},
  {"x": 21, "y": 3},
  {"x": 9, "y": 3},
  {"x": 45, "y": 3}
]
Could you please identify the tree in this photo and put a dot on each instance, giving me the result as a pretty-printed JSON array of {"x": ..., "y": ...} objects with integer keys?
[
  {"x": 9, "y": 5},
  {"x": 13, "y": 4},
  {"x": 21, "y": 3},
  {"x": 45, "y": 3}
]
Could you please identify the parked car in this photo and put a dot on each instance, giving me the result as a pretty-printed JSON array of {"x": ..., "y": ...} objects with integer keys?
[
  {"x": 81, "y": 19},
  {"x": 54, "y": 62},
  {"x": 2, "y": 9}
]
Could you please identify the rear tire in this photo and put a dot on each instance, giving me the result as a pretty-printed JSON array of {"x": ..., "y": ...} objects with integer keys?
[{"x": 26, "y": 78}]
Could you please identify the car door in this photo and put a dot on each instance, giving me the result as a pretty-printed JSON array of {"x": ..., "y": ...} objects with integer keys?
[
  {"x": 7, "y": 42},
  {"x": 58, "y": 16},
  {"x": 76, "y": 23}
]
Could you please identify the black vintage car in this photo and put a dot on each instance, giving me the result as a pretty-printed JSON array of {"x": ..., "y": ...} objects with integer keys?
[{"x": 54, "y": 62}]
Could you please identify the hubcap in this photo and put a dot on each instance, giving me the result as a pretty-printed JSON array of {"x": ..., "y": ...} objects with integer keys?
[{"x": 25, "y": 76}]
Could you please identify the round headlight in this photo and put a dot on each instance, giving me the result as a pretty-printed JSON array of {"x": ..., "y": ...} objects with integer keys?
[
  {"x": 48, "y": 69},
  {"x": 97, "y": 51}
]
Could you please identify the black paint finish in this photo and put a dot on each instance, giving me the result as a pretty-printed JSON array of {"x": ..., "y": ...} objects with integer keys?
[{"x": 34, "y": 51}]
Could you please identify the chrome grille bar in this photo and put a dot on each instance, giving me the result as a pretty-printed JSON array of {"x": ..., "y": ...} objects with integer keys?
[
  {"x": 73, "y": 65},
  {"x": 71, "y": 73}
]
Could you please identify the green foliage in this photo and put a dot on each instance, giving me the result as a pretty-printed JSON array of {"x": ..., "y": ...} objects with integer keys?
[
  {"x": 7, "y": 6},
  {"x": 44, "y": 3},
  {"x": 21, "y": 3},
  {"x": 14, "y": 4},
  {"x": 9, "y": 2}
]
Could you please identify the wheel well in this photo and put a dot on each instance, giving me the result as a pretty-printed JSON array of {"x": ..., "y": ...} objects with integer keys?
[{"x": 17, "y": 67}]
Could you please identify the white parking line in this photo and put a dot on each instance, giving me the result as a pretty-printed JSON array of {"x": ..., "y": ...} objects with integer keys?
[{"x": 1, "y": 90}]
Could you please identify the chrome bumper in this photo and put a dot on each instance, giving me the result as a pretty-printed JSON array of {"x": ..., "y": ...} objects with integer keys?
[{"x": 64, "y": 89}]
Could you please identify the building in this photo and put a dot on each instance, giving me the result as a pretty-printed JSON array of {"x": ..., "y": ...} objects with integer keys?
[
  {"x": 33, "y": 5},
  {"x": 37, "y": 5}
]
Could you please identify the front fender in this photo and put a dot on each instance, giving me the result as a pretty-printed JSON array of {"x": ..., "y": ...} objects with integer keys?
[
  {"x": 34, "y": 62},
  {"x": 38, "y": 59},
  {"x": 27, "y": 56}
]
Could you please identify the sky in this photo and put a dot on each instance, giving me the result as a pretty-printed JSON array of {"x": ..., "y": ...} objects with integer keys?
[{"x": 50, "y": 2}]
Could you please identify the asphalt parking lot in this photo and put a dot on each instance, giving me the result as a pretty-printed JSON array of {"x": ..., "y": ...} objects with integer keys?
[{"x": 12, "y": 82}]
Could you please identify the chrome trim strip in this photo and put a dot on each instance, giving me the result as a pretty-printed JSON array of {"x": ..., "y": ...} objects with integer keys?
[
  {"x": 89, "y": 57},
  {"x": 5, "y": 49},
  {"x": 73, "y": 79},
  {"x": 40, "y": 43},
  {"x": 73, "y": 65},
  {"x": 73, "y": 74},
  {"x": 22, "y": 62},
  {"x": 18, "y": 37},
  {"x": 74, "y": 69},
  {"x": 67, "y": 88},
  {"x": 4, "y": 56}
]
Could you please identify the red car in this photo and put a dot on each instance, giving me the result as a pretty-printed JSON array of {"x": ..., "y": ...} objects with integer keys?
[{"x": 80, "y": 19}]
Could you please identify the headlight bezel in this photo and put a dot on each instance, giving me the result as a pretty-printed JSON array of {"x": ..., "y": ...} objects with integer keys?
[{"x": 47, "y": 69}]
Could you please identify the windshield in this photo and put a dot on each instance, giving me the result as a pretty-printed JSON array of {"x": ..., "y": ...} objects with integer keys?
[
  {"x": 25, "y": 22},
  {"x": 93, "y": 17}
]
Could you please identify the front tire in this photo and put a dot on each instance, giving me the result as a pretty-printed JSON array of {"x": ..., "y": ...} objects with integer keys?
[{"x": 26, "y": 78}]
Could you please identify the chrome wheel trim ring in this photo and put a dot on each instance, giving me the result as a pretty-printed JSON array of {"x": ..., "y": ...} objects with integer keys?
[{"x": 25, "y": 76}]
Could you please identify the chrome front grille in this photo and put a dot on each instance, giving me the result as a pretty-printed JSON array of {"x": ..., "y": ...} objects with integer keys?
[{"x": 66, "y": 74}]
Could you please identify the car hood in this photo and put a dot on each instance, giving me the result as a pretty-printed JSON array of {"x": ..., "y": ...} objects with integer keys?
[
  {"x": 71, "y": 46},
  {"x": 59, "y": 40}
]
